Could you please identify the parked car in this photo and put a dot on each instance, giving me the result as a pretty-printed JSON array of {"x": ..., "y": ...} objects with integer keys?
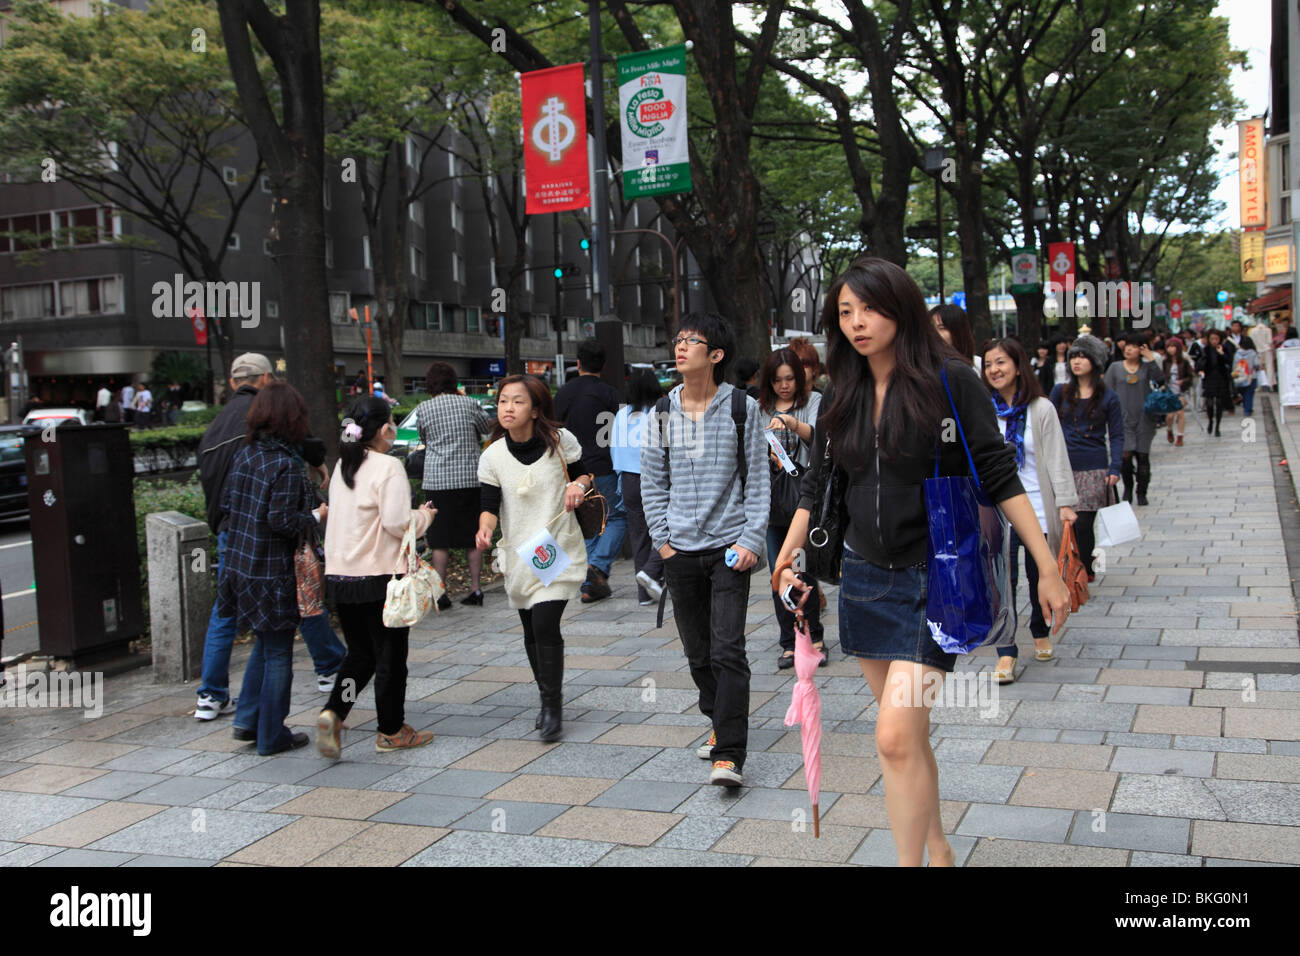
[
  {"x": 44, "y": 417},
  {"x": 13, "y": 470}
]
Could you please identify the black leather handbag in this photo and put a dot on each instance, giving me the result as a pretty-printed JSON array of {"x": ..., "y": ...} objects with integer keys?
[{"x": 824, "y": 552}]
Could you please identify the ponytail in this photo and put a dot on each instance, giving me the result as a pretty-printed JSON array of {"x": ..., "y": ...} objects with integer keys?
[{"x": 366, "y": 417}]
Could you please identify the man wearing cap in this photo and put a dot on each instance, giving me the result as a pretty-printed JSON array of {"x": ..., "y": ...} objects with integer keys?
[{"x": 222, "y": 439}]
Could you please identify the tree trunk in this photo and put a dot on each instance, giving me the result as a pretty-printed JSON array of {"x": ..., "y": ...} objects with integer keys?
[{"x": 970, "y": 240}]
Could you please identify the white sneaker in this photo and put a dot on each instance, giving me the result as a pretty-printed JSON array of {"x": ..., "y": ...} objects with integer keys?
[
  {"x": 325, "y": 682},
  {"x": 705, "y": 750},
  {"x": 653, "y": 587},
  {"x": 209, "y": 708}
]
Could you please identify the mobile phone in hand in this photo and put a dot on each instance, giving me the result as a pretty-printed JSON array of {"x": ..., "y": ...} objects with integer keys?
[{"x": 789, "y": 598}]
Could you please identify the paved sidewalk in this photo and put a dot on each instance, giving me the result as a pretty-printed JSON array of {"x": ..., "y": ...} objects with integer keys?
[{"x": 1167, "y": 732}]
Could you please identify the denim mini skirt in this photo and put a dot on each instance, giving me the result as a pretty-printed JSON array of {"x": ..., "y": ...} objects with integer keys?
[{"x": 882, "y": 614}]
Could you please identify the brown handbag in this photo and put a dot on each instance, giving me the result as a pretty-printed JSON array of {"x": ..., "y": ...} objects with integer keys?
[
  {"x": 593, "y": 511},
  {"x": 1072, "y": 569}
]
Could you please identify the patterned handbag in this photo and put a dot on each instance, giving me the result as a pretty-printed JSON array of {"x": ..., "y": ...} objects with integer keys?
[
  {"x": 309, "y": 570},
  {"x": 407, "y": 600}
]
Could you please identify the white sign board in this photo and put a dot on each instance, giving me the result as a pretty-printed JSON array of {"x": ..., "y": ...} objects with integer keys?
[{"x": 1288, "y": 376}]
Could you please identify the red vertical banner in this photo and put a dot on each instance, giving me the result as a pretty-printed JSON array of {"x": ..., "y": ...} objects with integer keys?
[
  {"x": 1176, "y": 309},
  {"x": 200, "y": 326},
  {"x": 554, "y": 108},
  {"x": 1060, "y": 264},
  {"x": 1227, "y": 314}
]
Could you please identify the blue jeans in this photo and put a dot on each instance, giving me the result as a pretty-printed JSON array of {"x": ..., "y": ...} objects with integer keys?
[
  {"x": 264, "y": 698},
  {"x": 604, "y": 548},
  {"x": 1248, "y": 398},
  {"x": 326, "y": 649}
]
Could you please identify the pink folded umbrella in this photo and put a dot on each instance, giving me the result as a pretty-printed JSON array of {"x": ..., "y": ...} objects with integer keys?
[{"x": 806, "y": 711}]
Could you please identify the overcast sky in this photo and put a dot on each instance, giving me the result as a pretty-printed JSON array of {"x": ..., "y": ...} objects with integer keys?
[{"x": 1250, "y": 29}]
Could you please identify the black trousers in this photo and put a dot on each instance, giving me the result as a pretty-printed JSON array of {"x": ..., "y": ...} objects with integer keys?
[
  {"x": 644, "y": 557},
  {"x": 373, "y": 651},
  {"x": 709, "y": 603},
  {"x": 1126, "y": 469},
  {"x": 1085, "y": 535},
  {"x": 1214, "y": 407}
]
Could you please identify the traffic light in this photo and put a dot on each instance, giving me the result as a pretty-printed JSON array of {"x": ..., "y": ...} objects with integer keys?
[
  {"x": 565, "y": 269},
  {"x": 585, "y": 245}
]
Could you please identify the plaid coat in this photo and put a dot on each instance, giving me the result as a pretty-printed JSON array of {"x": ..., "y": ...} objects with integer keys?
[{"x": 266, "y": 503}]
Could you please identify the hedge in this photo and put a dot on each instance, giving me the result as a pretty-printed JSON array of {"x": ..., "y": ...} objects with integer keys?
[{"x": 173, "y": 445}]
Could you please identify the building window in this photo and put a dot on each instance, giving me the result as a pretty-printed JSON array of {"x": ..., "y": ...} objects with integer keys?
[
  {"x": 265, "y": 183},
  {"x": 89, "y": 297},
  {"x": 411, "y": 158},
  {"x": 417, "y": 262},
  {"x": 473, "y": 318},
  {"x": 417, "y": 212},
  {"x": 27, "y": 302},
  {"x": 451, "y": 165},
  {"x": 539, "y": 325},
  {"x": 339, "y": 308},
  {"x": 87, "y": 226},
  {"x": 492, "y": 272},
  {"x": 329, "y": 253},
  {"x": 28, "y": 232},
  {"x": 266, "y": 247},
  {"x": 233, "y": 243},
  {"x": 528, "y": 280},
  {"x": 455, "y": 268},
  {"x": 325, "y": 192},
  {"x": 272, "y": 309},
  {"x": 1285, "y": 190},
  {"x": 457, "y": 220},
  {"x": 430, "y": 316},
  {"x": 572, "y": 327},
  {"x": 230, "y": 174},
  {"x": 365, "y": 252}
]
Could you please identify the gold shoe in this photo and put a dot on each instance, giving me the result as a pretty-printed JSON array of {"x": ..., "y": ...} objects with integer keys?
[{"x": 1005, "y": 671}]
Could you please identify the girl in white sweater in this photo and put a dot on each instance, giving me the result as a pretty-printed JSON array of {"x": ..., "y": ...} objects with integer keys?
[{"x": 370, "y": 508}]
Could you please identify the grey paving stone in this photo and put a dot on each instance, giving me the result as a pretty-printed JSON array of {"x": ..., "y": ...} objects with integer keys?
[
  {"x": 694, "y": 832},
  {"x": 115, "y": 785},
  {"x": 151, "y": 860},
  {"x": 962, "y": 750},
  {"x": 1106, "y": 635},
  {"x": 1166, "y": 796},
  {"x": 405, "y": 781},
  {"x": 1290, "y": 748},
  {"x": 1076, "y": 692},
  {"x": 1146, "y": 858},
  {"x": 1128, "y": 831},
  {"x": 1126, "y": 694},
  {"x": 878, "y": 849},
  {"x": 1186, "y": 763},
  {"x": 591, "y": 760},
  {"x": 664, "y": 856},
  {"x": 163, "y": 732},
  {"x": 988, "y": 733},
  {"x": 1160, "y": 653},
  {"x": 618, "y": 699},
  {"x": 440, "y": 753},
  {"x": 1074, "y": 716},
  {"x": 1283, "y": 682},
  {"x": 29, "y": 855},
  {"x": 1241, "y": 745},
  {"x": 1250, "y": 801},
  {"x": 1153, "y": 741},
  {"x": 1016, "y": 823},
  {"x": 1224, "y": 637},
  {"x": 474, "y": 848},
  {"x": 463, "y": 783},
  {"x": 1059, "y": 674},
  {"x": 461, "y": 726},
  {"x": 282, "y": 769},
  {"x": 96, "y": 858},
  {"x": 179, "y": 791},
  {"x": 21, "y": 750},
  {"x": 199, "y": 761},
  {"x": 1214, "y": 861},
  {"x": 229, "y": 797},
  {"x": 1040, "y": 734},
  {"x": 355, "y": 776},
  {"x": 149, "y": 759},
  {"x": 277, "y": 795},
  {"x": 1082, "y": 737},
  {"x": 788, "y": 806},
  {"x": 427, "y": 810},
  {"x": 202, "y": 834},
  {"x": 974, "y": 783},
  {"x": 507, "y": 816},
  {"x": 603, "y": 678},
  {"x": 656, "y": 795}
]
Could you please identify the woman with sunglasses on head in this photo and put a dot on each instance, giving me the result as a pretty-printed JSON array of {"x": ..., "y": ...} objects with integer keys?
[
  {"x": 531, "y": 475},
  {"x": 1030, "y": 426},
  {"x": 884, "y": 427},
  {"x": 790, "y": 411}
]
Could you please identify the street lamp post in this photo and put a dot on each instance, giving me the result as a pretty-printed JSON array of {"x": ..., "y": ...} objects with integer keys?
[
  {"x": 933, "y": 163},
  {"x": 675, "y": 249}
]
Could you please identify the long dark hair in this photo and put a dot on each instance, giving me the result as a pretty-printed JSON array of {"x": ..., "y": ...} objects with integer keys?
[
  {"x": 913, "y": 402},
  {"x": 370, "y": 413},
  {"x": 643, "y": 389},
  {"x": 1028, "y": 387},
  {"x": 957, "y": 323},
  {"x": 767, "y": 394},
  {"x": 1070, "y": 390},
  {"x": 540, "y": 396}
]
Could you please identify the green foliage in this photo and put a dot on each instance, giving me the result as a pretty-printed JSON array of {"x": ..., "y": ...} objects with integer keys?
[
  {"x": 199, "y": 419},
  {"x": 183, "y": 368},
  {"x": 166, "y": 448}
]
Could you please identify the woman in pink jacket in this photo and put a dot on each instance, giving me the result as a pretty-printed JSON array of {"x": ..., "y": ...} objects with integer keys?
[{"x": 370, "y": 509}]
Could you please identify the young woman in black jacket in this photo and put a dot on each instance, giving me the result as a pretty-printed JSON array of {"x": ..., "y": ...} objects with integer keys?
[
  {"x": 1215, "y": 368},
  {"x": 885, "y": 424}
]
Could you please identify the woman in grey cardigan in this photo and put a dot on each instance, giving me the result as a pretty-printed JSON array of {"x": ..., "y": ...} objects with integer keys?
[{"x": 1030, "y": 425}]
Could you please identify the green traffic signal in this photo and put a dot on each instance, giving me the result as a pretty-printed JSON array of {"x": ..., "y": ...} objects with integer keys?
[
  {"x": 559, "y": 272},
  {"x": 585, "y": 244}
]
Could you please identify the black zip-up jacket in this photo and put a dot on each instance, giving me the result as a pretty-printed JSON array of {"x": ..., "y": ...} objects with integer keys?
[
  {"x": 885, "y": 499},
  {"x": 226, "y": 435}
]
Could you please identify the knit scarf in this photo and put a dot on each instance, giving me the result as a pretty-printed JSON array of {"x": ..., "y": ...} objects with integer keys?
[{"x": 1015, "y": 416}]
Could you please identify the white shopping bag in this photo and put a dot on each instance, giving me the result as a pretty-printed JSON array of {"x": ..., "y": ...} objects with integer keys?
[
  {"x": 1117, "y": 524},
  {"x": 543, "y": 556}
]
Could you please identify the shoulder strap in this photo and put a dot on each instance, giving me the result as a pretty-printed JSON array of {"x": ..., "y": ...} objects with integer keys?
[
  {"x": 739, "y": 411},
  {"x": 943, "y": 371},
  {"x": 662, "y": 408}
]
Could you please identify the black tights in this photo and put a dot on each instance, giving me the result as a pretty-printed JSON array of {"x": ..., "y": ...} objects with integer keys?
[
  {"x": 1126, "y": 469},
  {"x": 1214, "y": 406},
  {"x": 1084, "y": 535},
  {"x": 542, "y": 623}
]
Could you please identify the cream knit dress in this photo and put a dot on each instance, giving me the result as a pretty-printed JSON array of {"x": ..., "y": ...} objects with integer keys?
[{"x": 532, "y": 495}]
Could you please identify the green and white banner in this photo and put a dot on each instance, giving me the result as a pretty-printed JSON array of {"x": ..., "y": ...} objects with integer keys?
[{"x": 652, "y": 111}]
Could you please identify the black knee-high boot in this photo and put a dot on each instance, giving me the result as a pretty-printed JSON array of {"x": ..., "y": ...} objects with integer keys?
[
  {"x": 550, "y": 681},
  {"x": 1126, "y": 474}
]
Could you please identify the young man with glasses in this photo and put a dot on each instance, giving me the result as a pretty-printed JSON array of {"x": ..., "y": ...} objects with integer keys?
[{"x": 706, "y": 498}]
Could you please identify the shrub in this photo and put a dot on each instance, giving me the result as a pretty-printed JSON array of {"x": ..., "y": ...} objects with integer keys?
[
  {"x": 199, "y": 419},
  {"x": 166, "y": 448}
]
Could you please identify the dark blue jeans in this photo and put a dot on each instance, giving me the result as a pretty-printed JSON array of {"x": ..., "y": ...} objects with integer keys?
[
  {"x": 1037, "y": 625},
  {"x": 1248, "y": 398},
  {"x": 709, "y": 602},
  {"x": 268, "y": 681}
]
